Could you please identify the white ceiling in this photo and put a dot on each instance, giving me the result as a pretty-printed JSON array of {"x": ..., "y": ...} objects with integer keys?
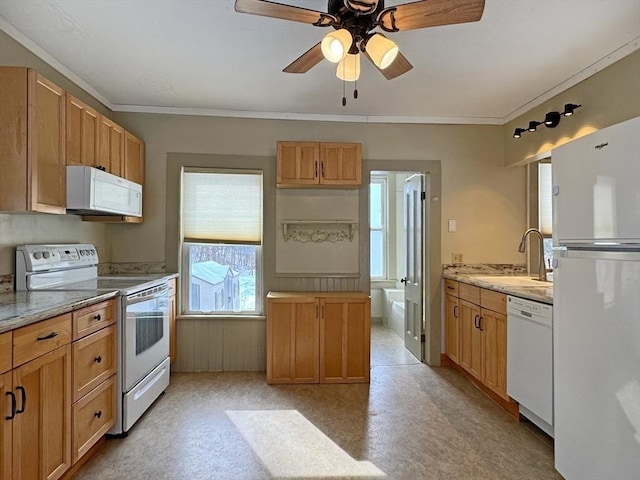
[{"x": 183, "y": 55}]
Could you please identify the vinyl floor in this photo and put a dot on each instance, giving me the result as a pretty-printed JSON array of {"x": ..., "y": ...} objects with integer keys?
[{"x": 411, "y": 422}]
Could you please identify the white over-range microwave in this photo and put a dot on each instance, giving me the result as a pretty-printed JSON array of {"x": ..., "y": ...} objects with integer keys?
[{"x": 94, "y": 192}]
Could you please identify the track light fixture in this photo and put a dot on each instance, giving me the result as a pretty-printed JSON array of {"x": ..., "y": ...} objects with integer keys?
[
  {"x": 518, "y": 133},
  {"x": 569, "y": 108},
  {"x": 551, "y": 120},
  {"x": 533, "y": 125}
]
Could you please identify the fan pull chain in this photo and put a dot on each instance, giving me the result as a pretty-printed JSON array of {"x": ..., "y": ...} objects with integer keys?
[
  {"x": 344, "y": 88},
  {"x": 355, "y": 89}
]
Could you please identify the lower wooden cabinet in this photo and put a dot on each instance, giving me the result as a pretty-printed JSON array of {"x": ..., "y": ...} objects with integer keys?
[
  {"x": 481, "y": 334},
  {"x": 58, "y": 397},
  {"x": 42, "y": 431},
  {"x": 317, "y": 337},
  {"x": 344, "y": 340},
  {"x": 6, "y": 437},
  {"x": 452, "y": 327}
]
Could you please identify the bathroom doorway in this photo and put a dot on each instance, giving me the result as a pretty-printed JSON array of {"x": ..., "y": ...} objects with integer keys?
[{"x": 398, "y": 206}]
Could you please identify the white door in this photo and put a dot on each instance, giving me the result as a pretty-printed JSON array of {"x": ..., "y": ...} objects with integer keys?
[{"x": 414, "y": 238}]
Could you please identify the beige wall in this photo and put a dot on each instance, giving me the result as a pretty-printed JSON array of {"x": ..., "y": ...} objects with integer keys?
[
  {"x": 608, "y": 97},
  {"x": 486, "y": 199}
]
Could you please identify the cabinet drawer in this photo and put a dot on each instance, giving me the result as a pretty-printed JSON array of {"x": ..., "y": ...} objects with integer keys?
[
  {"x": 93, "y": 416},
  {"x": 6, "y": 351},
  {"x": 451, "y": 287},
  {"x": 92, "y": 318},
  {"x": 34, "y": 340},
  {"x": 495, "y": 301},
  {"x": 94, "y": 360},
  {"x": 469, "y": 293}
]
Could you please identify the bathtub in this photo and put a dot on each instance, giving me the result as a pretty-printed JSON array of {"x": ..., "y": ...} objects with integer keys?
[{"x": 393, "y": 299}]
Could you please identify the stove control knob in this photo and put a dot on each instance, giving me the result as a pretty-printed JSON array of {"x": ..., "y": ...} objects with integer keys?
[
  {"x": 46, "y": 254},
  {"x": 37, "y": 255},
  {"x": 82, "y": 253},
  {"x": 93, "y": 252}
]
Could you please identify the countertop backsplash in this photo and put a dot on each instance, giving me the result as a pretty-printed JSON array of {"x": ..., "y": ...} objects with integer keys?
[
  {"x": 485, "y": 268},
  {"x": 132, "y": 268},
  {"x": 7, "y": 283}
]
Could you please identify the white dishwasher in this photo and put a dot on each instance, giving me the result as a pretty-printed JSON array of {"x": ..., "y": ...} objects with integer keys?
[{"x": 530, "y": 359}]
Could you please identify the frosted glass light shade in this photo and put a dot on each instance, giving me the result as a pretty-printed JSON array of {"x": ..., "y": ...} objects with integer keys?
[
  {"x": 381, "y": 50},
  {"x": 349, "y": 68},
  {"x": 335, "y": 45}
]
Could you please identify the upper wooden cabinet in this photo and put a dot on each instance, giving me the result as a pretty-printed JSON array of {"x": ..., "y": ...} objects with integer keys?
[
  {"x": 32, "y": 146},
  {"x": 133, "y": 158},
  {"x": 111, "y": 140},
  {"x": 82, "y": 129},
  {"x": 314, "y": 164}
]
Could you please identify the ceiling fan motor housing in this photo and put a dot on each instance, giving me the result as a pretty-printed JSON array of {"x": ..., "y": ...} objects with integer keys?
[{"x": 363, "y": 7}]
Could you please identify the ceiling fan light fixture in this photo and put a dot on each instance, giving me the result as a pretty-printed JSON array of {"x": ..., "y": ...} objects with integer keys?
[
  {"x": 335, "y": 45},
  {"x": 381, "y": 50},
  {"x": 349, "y": 68}
]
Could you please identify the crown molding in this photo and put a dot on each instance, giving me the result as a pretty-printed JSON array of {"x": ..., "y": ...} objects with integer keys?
[
  {"x": 591, "y": 70},
  {"x": 594, "y": 68},
  {"x": 46, "y": 57}
]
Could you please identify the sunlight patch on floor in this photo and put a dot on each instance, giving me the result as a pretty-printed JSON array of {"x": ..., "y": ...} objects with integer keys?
[{"x": 289, "y": 445}]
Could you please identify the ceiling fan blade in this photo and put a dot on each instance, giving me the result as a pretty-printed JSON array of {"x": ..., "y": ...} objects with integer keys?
[
  {"x": 306, "y": 61},
  {"x": 430, "y": 13},
  {"x": 285, "y": 12},
  {"x": 399, "y": 66}
]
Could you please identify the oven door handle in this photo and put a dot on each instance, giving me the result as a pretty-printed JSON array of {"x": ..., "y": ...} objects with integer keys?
[{"x": 150, "y": 294}]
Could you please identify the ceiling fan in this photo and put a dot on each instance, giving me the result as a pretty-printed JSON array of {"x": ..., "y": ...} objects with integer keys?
[{"x": 354, "y": 23}]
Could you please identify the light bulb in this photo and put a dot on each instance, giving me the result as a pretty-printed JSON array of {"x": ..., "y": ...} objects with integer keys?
[
  {"x": 335, "y": 45},
  {"x": 381, "y": 50},
  {"x": 349, "y": 68}
]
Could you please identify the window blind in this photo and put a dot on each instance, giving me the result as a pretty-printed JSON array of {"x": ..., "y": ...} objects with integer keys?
[
  {"x": 545, "y": 203},
  {"x": 222, "y": 207}
]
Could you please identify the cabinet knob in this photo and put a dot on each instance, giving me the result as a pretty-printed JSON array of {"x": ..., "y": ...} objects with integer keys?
[
  {"x": 98, "y": 359},
  {"x": 98, "y": 414},
  {"x": 97, "y": 317}
]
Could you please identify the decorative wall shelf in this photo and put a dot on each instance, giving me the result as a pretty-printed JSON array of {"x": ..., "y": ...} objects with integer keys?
[{"x": 319, "y": 231}]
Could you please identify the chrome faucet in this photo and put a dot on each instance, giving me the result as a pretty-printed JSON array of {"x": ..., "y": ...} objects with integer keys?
[{"x": 542, "y": 271}]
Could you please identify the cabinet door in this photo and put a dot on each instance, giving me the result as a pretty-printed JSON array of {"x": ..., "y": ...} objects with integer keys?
[
  {"x": 297, "y": 163},
  {"x": 82, "y": 125},
  {"x": 47, "y": 190},
  {"x": 5, "y": 427},
  {"x": 134, "y": 159},
  {"x": 494, "y": 351},
  {"x": 42, "y": 433},
  {"x": 452, "y": 313},
  {"x": 340, "y": 164},
  {"x": 292, "y": 341},
  {"x": 470, "y": 355},
  {"x": 111, "y": 146},
  {"x": 344, "y": 340}
]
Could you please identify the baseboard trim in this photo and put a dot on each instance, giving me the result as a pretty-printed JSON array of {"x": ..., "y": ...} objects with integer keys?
[
  {"x": 84, "y": 459},
  {"x": 511, "y": 406}
]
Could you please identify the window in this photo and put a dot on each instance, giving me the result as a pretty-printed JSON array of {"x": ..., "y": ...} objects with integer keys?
[
  {"x": 221, "y": 225},
  {"x": 378, "y": 227},
  {"x": 545, "y": 206}
]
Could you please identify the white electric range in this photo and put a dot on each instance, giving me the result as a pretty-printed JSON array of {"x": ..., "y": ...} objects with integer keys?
[{"x": 142, "y": 318}]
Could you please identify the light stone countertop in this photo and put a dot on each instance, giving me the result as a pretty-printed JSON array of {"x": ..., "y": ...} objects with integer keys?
[
  {"x": 542, "y": 294},
  {"x": 18, "y": 309}
]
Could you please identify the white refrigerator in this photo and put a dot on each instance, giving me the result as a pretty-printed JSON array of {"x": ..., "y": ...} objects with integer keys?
[{"x": 596, "y": 304}]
